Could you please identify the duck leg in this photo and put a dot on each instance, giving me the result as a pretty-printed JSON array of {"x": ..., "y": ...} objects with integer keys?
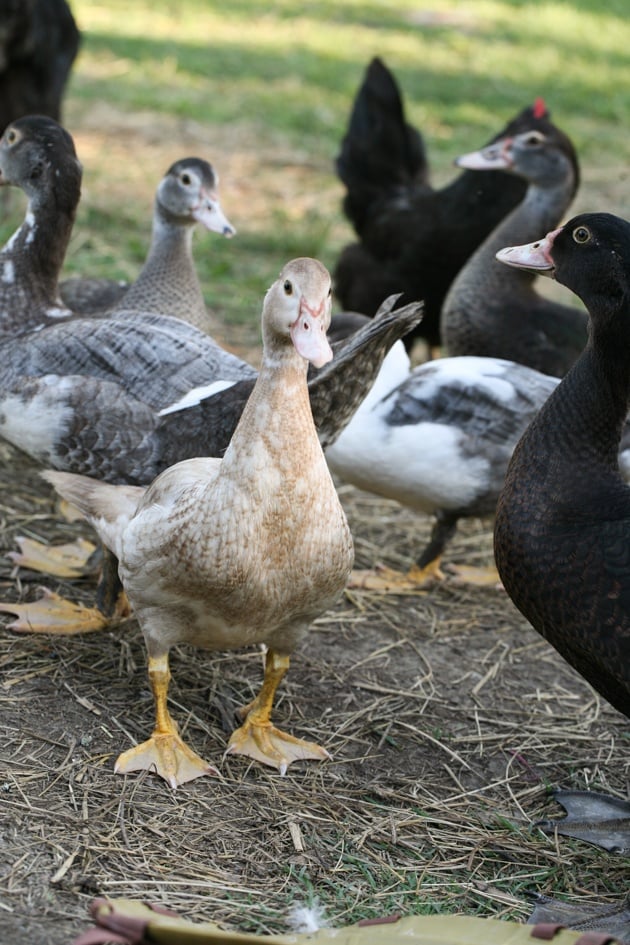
[
  {"x": 424, "y": 571},
  {"x": 427, "y": 568},
  {"x": 52, "y": 613},
  {"x": 165, "y": 752},
  {"x": 258, "y": 738}
]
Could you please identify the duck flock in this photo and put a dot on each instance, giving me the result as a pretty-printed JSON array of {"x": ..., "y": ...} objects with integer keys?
[{"x": 210, "y": 483}]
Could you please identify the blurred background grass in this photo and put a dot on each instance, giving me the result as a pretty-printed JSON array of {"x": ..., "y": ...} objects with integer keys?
[{"x": 264, "y": 92}]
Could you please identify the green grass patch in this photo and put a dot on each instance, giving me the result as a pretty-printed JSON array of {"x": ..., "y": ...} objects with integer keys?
[{"x": 272, "y": 86}]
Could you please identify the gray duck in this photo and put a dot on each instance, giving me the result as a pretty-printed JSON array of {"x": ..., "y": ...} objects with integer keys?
[
  {"x": 168, "y": 283},
  {"x": 491, "y": 311},
  {"x": 38, "y": 156}
]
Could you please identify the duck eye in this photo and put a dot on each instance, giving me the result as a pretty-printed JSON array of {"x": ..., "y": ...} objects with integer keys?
[
  {"x": 185, "y": 179},
  {"x": 288, "y": 288},
  {"x": 581, "y": 234},
  {"x": 534, "y": 138}
]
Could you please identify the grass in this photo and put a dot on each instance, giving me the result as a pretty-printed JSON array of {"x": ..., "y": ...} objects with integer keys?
[{"x": 265, "y": 94}]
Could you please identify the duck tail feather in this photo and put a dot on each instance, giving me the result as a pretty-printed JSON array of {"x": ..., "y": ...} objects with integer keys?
[
  {"x": 380, "y": 153},
  {"x": 106, "y": 507}
]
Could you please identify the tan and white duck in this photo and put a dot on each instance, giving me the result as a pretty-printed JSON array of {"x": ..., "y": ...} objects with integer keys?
[
  {"x": 122, "y": 400},
  {"x": 245, "y": 550}
]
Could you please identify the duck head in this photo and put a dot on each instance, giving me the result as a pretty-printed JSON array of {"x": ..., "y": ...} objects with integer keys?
[
  {"x": 297, "y": 307},
  {"x": 188, "y": 193}
]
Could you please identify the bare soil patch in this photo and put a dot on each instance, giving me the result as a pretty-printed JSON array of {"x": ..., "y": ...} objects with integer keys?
[{"x": 448, "y": 720}]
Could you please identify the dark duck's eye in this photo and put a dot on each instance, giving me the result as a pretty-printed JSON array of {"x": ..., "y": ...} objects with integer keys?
[
  {"x": 581, "y": 234},
  {"x": 288, "y": 288},
  {"x": 534, "y": 138}
]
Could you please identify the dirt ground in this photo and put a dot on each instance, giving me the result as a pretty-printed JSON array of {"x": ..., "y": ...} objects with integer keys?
[
  {"x": 449, "y": 721},
  {"x": 448, "y": 718}
]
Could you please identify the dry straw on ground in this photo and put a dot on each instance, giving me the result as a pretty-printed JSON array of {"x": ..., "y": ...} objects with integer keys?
[{"x": 447, "y": 717}]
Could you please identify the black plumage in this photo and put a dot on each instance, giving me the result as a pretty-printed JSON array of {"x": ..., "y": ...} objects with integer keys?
[
  {"x": 412, "y": 239},
  {"x": 562, "y": 532},
  {"x": 39, "y": 41}
]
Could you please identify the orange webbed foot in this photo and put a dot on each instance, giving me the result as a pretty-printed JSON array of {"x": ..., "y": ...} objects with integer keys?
[
  {"x": 168, "y": 756},
  {"x": 263, "y": 742}
]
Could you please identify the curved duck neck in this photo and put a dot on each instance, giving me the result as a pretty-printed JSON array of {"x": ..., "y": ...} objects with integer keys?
[
  {"x": 590, "y": 406},
  {"x": 31, "y": 260},
  {"x": 170, "y": 271},
  {"x": 539, "y": 211},
  {"x": 278, "y": 411}
]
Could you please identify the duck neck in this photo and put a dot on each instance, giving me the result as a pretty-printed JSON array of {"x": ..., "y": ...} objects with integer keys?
[
  {"x": 592, "y": 403},
  {"x": 168, "y": 281},
  {"x": 278, "y": 412},
  {"x": 539, "y": 211},
  {"x": 31, "y": 260},
  {"x": 612, "y": 376}
]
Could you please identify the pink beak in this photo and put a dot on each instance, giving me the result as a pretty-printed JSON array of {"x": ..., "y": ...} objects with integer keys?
[
  {"x": 534, "y": 256},
  {"x": 308, "y": 333},
  {"x": 496, "y": 157}
]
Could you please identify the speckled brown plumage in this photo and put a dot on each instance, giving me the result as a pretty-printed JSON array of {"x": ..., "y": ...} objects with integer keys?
[
  {"x": 562, "y": 532},
  {"x": 246, "y": 549}
]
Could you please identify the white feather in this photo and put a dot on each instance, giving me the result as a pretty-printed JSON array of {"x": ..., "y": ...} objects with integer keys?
[{"x": 195, "y": 396}]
